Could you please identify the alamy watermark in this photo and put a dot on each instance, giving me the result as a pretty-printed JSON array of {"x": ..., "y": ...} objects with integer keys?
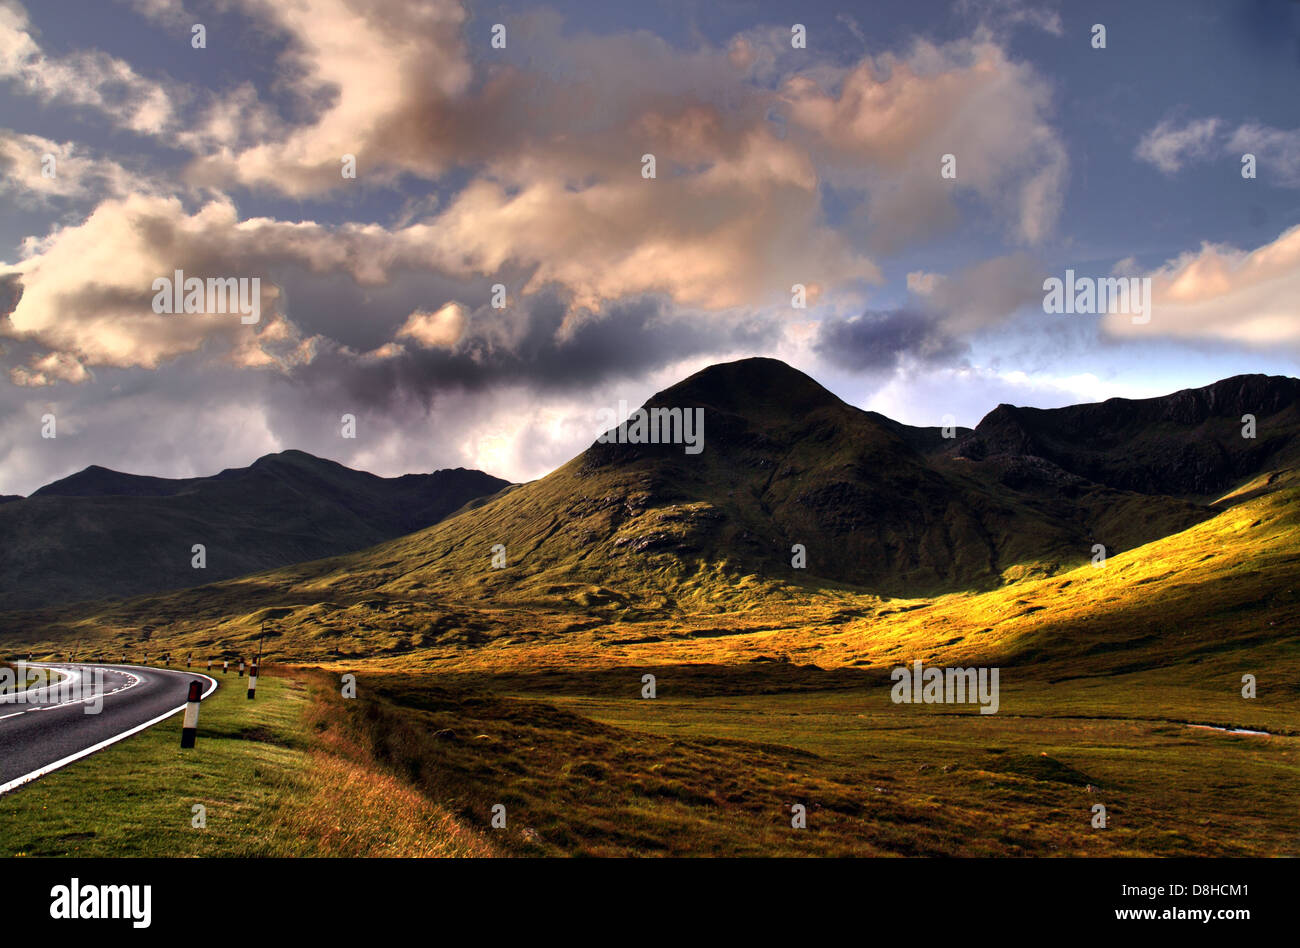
[
  {"x": 919, "y": 685},
  {"x": 1124, "y": 295},
  {"x": 133, "y": 903},
  {"x": 683, "y": 426},
  {"x": 216, "y": 296},
  {"x": 37, "y": 686}
]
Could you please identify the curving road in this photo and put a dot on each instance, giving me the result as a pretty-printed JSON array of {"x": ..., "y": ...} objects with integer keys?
[{"x": 49, "y": 727}]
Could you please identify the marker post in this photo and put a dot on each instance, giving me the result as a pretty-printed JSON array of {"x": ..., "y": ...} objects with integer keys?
[{"x": 190, "y": 726}]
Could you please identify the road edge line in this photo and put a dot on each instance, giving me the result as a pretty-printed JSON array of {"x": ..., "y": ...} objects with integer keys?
[{"x": 86, "y": 752}]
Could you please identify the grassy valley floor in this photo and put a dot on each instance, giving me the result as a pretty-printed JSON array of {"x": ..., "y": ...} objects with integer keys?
[{"x": 712, "y": 766}]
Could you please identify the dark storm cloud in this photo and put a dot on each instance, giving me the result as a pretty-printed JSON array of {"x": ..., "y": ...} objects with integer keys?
[
  {"x": 529, "y": 346},
  {"x": 878, "y": 341}
]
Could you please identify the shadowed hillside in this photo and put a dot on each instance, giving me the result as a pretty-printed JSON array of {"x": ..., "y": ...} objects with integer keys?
[
  {"x": 101, "y": 533},
  {"x": 1187, "y": 443}
]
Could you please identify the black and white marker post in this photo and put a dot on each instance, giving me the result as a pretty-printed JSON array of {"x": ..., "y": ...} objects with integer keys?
[
  {"x": 225, "y": 667},
  {"x": 241, "y": 668},
  {"x": 252, "y": 678},
  {"x": 190, "y": 727}
]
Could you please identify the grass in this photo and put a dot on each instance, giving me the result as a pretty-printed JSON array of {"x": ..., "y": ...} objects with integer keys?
[
  {"x": 272, "y": 783},
  {"x": 713, "y": 765},
  {"x": 473, "y": 693}
]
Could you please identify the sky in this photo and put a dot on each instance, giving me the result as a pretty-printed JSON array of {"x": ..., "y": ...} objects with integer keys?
[{"x": 502, "y": 270}]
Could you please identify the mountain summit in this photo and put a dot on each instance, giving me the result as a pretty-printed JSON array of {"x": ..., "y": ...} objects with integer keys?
[
  {"x": 877, "y": 503},
  {"x": 100, "y": 533}
]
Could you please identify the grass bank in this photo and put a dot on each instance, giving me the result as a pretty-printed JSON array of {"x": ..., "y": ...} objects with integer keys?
[{"x": 273, "y": 779}]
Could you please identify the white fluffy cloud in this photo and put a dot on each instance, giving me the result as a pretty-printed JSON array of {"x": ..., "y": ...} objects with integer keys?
[
  {"x": 87, "y": 290},
  {"x": 92, "y": 79},
  {"x": 895, "y": 118},
  {"x": 441, "y": 328},
  {"x": 555, "y": 195},
  {"x": 391, "y": 71},
  {"x": 1221, "y": 292},
  {"x": 74, "y": 173}
]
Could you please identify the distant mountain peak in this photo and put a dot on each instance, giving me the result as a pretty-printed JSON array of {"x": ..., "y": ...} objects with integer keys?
[
  {"x": 101, "y": 532},
  {"x": 97, "y": 481},
  {"x": 754, "y": 383}
]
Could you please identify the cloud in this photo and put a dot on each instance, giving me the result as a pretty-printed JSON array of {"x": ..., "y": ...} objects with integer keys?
[
  {"x": 879, "y": 342},
  {"x": 933, "y": 328},
  {"x": 91, "y": 78},
  {"x": 1171, "y": 146},
  {"x": 735, "y": 213},
  {"x": 739, "y": 231},
  {"x": 442, "y": 328},
  {"x": 733, "y": 216},
  {"x": 1277, "y": 151},
  {"x": 386, "y": 76},
  {"x": 556, "y": 198},
  {"x": 1002, "y": 15},
  {"x": 48, "y": 369},
  {"x": 170, "y": 13},
  {"x": 24, "y": 160},
  {"x": 1224, "y": 293},
  {"x": 87, "y": 290},
  {"x": 983, "y": 295},
  {"x": 524, "y": 346},
  {"x": 895, "y": 117}
]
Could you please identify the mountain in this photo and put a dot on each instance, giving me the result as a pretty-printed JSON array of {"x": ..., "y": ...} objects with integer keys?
[
  {"x": 874, "y": 503},
  {"x": 101, "y": 533},
  {"x": 1187, "y": 443},
  {"x": 670, "y": 543}
]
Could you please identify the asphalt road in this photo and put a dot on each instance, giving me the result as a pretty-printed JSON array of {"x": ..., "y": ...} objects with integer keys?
[{"x": 49, "y": 727}]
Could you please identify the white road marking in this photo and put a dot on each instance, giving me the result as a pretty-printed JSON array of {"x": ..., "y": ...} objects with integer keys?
[
  {"x": 49, "y": 768},
  {"x": 73, "y": 676}
]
